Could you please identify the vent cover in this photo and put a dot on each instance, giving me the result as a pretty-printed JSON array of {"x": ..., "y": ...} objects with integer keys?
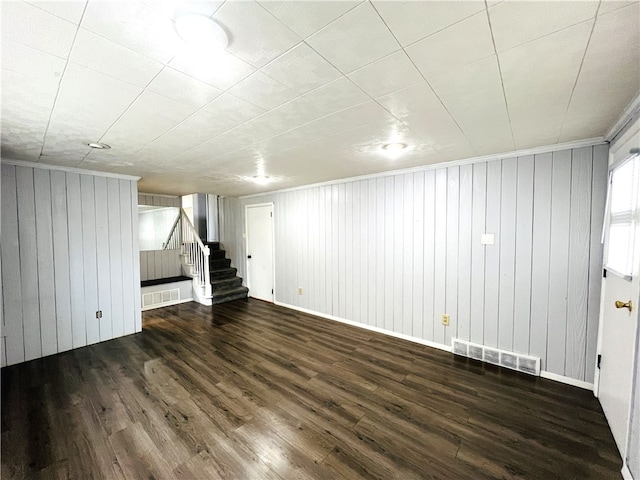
[
  {"x": 159, "y": 299},
  {"x": 502, "y": 358}
]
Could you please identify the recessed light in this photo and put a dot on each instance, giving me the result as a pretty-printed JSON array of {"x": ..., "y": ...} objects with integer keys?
[
  {"x": 99, "y": 146},
  {"x": 261, "y": 179},
  {"x": 394, "y": 147},
  {"x": 200, "y": 31}
]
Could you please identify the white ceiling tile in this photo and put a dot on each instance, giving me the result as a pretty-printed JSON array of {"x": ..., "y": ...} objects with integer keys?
[
  {"x": 355, "y": 39},
  {"x": 337, "y": 95},
  {"x": 610, "y": 75},
  {"x": 538, "y": 81},
  {"x": 453, "y": 47},
  {"x": 173, "y": 8},
  {"x": 480, "y": 111},
  {"x": 306, "y": 18},
  {"x": 150, "y": 116},
  {"x": 391, "y": 73},
  {"x": 420, "y": 109},
  {"x": 301, "y": 69},
  {"x": 98, "y": 53},
  {"x": 543, "y": 18},
  {"x": 87, "y": 105},
  {"x": 222, "y": 70},
  {"x": 70, "y": 11},
  {"x": 134, "y": 25},
  {"x": 222, "y": 114},
  {"x": 43, "y": 67},
  {"x": 607, "y": 6},
  {"x": 232, "y": 111},
  {"x": 255, "y": 35},
  {"x": 262, "y": 90},
  {"x": 402, "y": 17},
  {"x": 183, "y": 88},
  {"x": 28, "y": 25},
  {"x": 26, "y": 101}
]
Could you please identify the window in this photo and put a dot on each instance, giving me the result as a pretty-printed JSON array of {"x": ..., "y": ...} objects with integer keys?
[{"x": 623, "y": 216}]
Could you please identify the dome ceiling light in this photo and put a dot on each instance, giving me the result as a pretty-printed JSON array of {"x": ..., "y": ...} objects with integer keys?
[{"x": 199, "y": 31}]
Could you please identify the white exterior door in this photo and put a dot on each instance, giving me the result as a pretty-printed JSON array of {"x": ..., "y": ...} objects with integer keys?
[
  {"x": 260, "y": 262},
  {"x": 617, "y": 339}
]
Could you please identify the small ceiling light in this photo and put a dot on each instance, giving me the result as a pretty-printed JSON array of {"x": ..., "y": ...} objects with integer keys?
[
  {"x": 394, "y": 147},
  {"x": 261, "y": 179},
  {"x": 99, "y": 146},
  {"x": 200, "y": 31}
]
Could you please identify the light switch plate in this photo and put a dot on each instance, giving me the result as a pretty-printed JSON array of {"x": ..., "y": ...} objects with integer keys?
[{"x": 488, "y": 239}]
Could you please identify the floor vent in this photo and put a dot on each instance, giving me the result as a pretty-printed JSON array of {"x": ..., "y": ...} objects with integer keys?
[
  {"x": 157, "y": 299},
  {"x": 514, "y": 361}
]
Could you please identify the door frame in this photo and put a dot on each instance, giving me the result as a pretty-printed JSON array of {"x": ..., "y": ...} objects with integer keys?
[
  {"x": 273, "y": 243},
  {"x": 613, "y": 163}
]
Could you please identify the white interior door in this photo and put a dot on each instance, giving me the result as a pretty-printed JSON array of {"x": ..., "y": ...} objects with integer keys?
[
  {"x": 260, "y": 262},
  {"x": 618, "y": 334},
  {"x": 620, "y": 291}
]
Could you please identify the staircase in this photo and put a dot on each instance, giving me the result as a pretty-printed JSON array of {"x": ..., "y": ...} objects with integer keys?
[
  {"x": 214, "y": 280},
  {"x": 225, "y": 284}
]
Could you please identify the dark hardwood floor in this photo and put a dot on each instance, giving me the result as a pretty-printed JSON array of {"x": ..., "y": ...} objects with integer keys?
[{"x": 249, "y": 390}]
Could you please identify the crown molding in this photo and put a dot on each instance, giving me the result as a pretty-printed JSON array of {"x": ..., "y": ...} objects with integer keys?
[{"x": 46, "y": 166}]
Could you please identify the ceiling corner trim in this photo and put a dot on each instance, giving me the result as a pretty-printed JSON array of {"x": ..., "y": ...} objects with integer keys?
[
  {"x": 81, "y": 171},
  {"x": 630, "y": 112},
  {"x": 587, "y": 142}
]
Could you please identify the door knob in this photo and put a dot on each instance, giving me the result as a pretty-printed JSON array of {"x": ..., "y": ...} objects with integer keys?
[{"x": 620, "y": 304}]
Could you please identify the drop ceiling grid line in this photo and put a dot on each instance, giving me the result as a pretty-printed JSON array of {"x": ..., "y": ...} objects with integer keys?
[
  {"x": 356, "y": 5},
  {"x": 226, "y": 91},
  {"x": 504, "y": 93},
  {"x": 428, "y": 84},
  {"x": 437, "y": 31},
  {"x": 216, "y": 10},
  {"x": 123, "y": 113},
  {"x": 53, "y": 14},
  {"x": 575, "y": 83},
  {"x": 303, "y": 41},
  {"x": 62, "y": 76}
]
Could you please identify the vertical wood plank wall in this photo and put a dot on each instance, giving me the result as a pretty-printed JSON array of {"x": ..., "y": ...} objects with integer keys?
[
  {"x": 159, "y": 200},
  {"x": 156, "y": 264},
  {"x": 67, "y": 242},
  {"x": 397, "y": 252}
]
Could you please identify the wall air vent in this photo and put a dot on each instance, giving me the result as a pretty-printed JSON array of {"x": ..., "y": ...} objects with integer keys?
[
  {"x": 159, "y": 299},
  {"x": 502, "y": 358}
]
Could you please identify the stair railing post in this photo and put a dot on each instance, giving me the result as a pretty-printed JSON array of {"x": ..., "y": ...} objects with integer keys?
[{"x": 206, "y": 279}]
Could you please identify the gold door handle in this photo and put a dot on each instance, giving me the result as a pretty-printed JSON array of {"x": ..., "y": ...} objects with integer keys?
[{"x": 620, "y": 304}]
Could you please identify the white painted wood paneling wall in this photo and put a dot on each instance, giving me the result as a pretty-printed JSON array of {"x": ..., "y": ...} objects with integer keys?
[
  {"x": 69, "y": 248},
  {"x": 155, "y": 264},
  {"x": 397, "y": 252},
  {"x": 159, "y": 200}
]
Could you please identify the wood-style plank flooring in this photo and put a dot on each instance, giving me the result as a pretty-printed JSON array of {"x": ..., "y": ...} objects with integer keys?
[{"x": 249, "y": 390}]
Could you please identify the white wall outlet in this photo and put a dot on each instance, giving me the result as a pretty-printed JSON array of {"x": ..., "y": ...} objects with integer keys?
[
  {"x": 299, "y": 290},
  {"x": 446, "y": 319},
  {"x": 488, "y": 239}
]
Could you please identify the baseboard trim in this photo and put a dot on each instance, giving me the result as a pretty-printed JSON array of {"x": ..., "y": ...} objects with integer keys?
[
  {"x": 167, "y": 304},
  {"x": 402, "y": 336},
  {"x": 439, "y": 346},
  {"x": 567, "y": 380}
]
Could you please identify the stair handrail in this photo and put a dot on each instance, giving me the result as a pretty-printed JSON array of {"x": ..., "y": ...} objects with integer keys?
[
  {"x": 197, "y": 253},
  {"x": 173, "y": 239}
]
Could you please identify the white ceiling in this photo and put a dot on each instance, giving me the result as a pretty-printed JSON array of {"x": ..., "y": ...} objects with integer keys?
[{"x": 307, "y": 91}]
